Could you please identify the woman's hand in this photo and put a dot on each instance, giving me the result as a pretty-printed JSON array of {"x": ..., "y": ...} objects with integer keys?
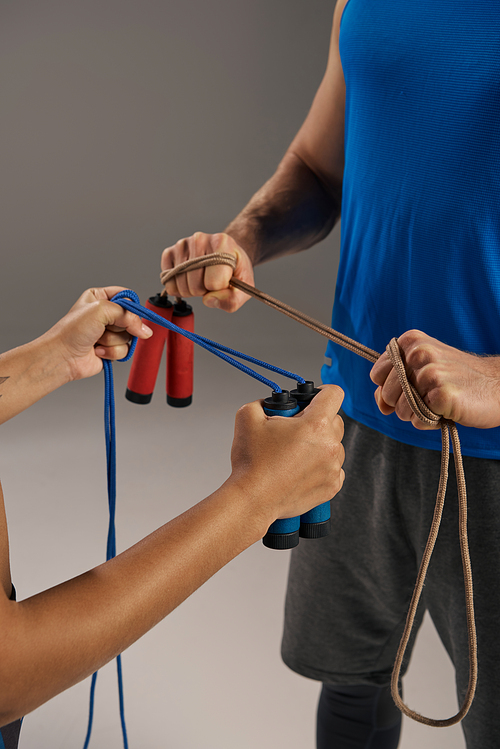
[
  {"x": 94, "y": 329},
  {"x": 289, "y": 465}
]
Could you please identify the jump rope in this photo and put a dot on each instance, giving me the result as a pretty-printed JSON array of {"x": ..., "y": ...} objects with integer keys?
[{"x": 282, "y": 534}]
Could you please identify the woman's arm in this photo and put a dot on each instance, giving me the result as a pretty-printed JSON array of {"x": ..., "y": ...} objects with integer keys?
[
  {"x": 94, "y": 329},
  {"x": 280, "y": 468}
]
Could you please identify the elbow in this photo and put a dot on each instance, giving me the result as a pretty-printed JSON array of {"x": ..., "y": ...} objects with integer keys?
[
  {"x": 12, "y": 694},
  {"x": 11, "y": 705},
  {"x": 328, "y": 181},
  {"x": 16, "y": 679},
  {"x": 7, "y": 718}
]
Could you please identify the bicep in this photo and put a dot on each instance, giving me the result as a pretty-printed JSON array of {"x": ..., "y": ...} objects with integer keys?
[{"x": 320, "y": 140}]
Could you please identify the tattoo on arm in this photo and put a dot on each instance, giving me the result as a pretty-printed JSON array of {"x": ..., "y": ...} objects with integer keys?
[{"x": 2, "y": 380}]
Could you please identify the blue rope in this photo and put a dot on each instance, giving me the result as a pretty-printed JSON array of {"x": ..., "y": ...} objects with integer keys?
[
  {"x": 130, "y": 301},
  {"x": 110, "y": 438},
  {"x": 91, "y": 710}
]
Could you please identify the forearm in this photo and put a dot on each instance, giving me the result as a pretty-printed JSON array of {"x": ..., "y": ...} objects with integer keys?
[
  {"x": 294, "y": 210},
  {"x": 72, "y": 349},
  {"x": 27, "y": 374},
  {"x": 59, "y": 637},
  {"x": 280, "y": 468}
]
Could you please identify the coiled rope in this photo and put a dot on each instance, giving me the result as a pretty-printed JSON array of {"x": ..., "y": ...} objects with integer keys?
[{"x": 448, "y": 428}]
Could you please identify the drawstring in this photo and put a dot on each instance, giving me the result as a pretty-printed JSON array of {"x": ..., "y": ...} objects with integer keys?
[{"x": 448, "y": 428}]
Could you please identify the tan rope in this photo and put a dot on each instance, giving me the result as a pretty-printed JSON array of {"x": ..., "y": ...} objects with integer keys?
[{"x": 424, "y": 413}]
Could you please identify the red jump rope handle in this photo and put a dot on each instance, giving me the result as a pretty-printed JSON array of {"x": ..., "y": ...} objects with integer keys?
[
  {"x": 180, "y": 355},
  {"x": 147, "y": 356}
]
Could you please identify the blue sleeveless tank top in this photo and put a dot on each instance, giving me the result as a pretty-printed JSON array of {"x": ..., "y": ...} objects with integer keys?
[{"x": 421, "y": 194}]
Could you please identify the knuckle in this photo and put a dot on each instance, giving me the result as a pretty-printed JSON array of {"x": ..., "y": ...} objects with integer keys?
[
  {"x": 100, "y": 306},
  {"x": 230, "y": 305},
  {"x": 105, "y": 338},
  {"x": 403, "y": 410},
  {"x": 411, "y": 338},
  {"x": 217, "y": 277},
  {"x": 420, "y": 355},
  {"x": 223, "y": 242},
  {"x": 434, "y": 398},
  {"x": 198, "y": 244},
  {"x": 322, "y": 424},
  {"x": 337, "y": 483},
  {"x": 439, "y": 397},
  {"x": 243, "y": 412},
  {"x": 432, "y": 379},
  {"x": 334, "y": 395}
]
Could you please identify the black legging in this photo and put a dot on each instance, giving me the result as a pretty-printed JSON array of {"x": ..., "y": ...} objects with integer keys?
[{"x": 360, "y": 717}]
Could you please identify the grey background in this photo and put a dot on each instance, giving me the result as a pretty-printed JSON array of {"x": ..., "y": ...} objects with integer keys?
[{"x": 125, "y": 126}]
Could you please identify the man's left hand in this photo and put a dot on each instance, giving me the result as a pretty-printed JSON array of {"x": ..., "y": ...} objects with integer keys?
[{"x": 457, "y": 385}]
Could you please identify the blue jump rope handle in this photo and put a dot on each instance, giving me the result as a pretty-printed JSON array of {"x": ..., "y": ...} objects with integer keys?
[
  {"x": 282, "y": 534},
  {"x": 285, "y": 533}
]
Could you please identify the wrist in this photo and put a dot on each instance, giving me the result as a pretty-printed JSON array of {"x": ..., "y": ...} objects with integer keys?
[
  {"x": 50, "y": 365},
  {"x": 245, "y": 236},
  {"x": 29, "y": 373},
  {"x": 253, "y": 505},
  {"x": 491, "y": 366}
]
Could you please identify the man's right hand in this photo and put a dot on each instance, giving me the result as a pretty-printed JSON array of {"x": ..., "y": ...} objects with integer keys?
[{"x": 211, "y": 283}]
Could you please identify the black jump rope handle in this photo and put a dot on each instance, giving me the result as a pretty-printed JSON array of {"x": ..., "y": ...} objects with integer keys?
[{"x": 285, "y": 533}]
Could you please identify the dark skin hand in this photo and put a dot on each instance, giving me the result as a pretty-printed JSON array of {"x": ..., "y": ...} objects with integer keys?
[{"x": 279, "y": 468}]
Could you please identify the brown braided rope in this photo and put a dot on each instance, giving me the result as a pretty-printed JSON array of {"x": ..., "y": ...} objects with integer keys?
[{"x": 427, "y": 416}]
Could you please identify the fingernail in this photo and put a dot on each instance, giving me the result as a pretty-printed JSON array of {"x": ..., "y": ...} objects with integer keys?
[
  {"x": 100, "y": 351},
  {"x": 212, "y": 301},
  {"x": 147, "y": 330}
]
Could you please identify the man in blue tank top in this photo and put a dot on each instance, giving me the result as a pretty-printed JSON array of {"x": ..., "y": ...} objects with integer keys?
[{"x": 403, "y": 138}]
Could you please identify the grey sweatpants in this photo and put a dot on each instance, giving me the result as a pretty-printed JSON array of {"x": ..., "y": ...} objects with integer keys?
[{"x": 348, "y": 594}]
